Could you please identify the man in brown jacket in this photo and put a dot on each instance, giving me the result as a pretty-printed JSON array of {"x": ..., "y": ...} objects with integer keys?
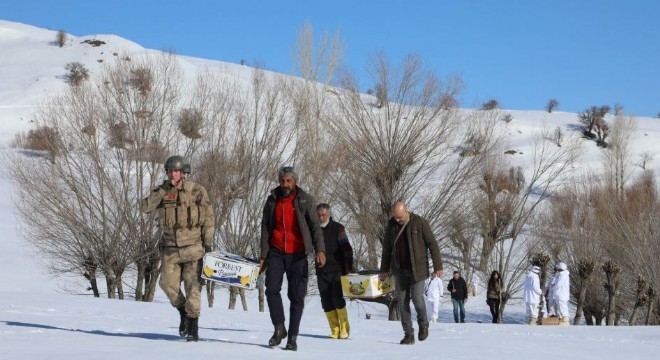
[
  {"x": 408, "y": 240},
  {"x": 186, "y": 219}
]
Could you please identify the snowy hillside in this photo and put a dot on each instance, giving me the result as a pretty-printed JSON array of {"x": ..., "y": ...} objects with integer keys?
[
  {"x": 32, "y": 67},
  {"x": 55, "y": 318}
]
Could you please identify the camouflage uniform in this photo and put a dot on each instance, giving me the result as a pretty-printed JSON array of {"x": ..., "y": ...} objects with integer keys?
[{"x": 186, "y": 219}]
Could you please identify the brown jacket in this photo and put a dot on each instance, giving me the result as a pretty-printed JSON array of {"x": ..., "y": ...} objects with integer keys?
[
  {"x": 185, "y": 216},
  {"x": 421, "y": 242},
  {"x": 494, "y": 289}
]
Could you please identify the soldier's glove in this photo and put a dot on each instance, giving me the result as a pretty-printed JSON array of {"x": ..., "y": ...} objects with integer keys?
[{"x": 166, "y": 185}]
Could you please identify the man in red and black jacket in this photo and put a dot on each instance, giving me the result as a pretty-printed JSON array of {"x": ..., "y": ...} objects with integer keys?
[{"x": 290, "y": 231}]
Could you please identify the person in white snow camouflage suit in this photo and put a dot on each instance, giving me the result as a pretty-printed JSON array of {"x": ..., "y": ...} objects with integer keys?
[
  {"x": 532, "y": 289},
  {"x": 434, "y": 289}
]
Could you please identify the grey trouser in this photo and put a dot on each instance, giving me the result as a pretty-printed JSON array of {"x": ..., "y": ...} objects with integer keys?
[{"x": 407, "y": 290}]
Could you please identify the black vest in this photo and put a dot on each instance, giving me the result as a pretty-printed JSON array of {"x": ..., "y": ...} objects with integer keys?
[{"x": 334, "y": 257}]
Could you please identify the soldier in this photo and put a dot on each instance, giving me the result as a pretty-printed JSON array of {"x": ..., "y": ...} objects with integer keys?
[{"x": 186, "y": 219}]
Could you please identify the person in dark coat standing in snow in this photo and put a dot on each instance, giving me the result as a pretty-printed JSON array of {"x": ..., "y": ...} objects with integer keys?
[
  {"x": 493, "y": 295},
  {"x": 459, "y": 295},
  {"x": 338, "y": 262},
  {"x": 290, "y": 231},
  {"x": 407, "y": 243}
]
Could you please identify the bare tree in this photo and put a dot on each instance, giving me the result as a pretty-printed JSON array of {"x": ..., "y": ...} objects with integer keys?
[
  {"x": 585, "y": 267},
  {"x": 511, "y": 200},
  {"x": 644, "y": 159},
  {"x": 76, "y": 73},
  {"x": 239, "y": 161},
  {"x": 602, "y": 129},
  {"x": 389, "y": 152},
  {"x": 60, "y": 38},
  {"x": 641, "y": 299},
  {"x": 317, "y": 64},
  {"x": 618, "y": 154},
  {"x": 551, "y": 105},
  {"x": 612, "y": 271},
  {"x": 91, "y": 225},
  {"x": 652, "y": 296},
  {"x": 558, "y": 135},
  {"x": 595, "y": 220},
  {"x": 444, "y": 203},
  {"x": 150, "y": 109},
  {"x": 591, "y": 116},
  {"x": 618, "y": 109},
  {"x": 491, "y": 104},
  {"x": 629, "y": 232}
]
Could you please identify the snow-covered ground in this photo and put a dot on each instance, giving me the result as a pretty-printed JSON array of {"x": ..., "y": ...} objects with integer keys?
[
  {"x": 38, "y": 320},
  {"x": 55, "y": 318}
]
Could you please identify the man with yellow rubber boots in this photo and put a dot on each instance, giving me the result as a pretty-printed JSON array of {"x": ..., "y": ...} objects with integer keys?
[{"x": 339, "y": 261}]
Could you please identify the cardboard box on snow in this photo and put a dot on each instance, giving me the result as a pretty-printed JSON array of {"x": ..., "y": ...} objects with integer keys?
[
  {"x": 230, "y": 269},
  {"x": 366, "y": 285},
  {"x": 551, "y": 320}
]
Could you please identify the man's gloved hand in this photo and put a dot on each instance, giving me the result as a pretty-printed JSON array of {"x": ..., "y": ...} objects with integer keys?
[{"x": 166, "y": 185}]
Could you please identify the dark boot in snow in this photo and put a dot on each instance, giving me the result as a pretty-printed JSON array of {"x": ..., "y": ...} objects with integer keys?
[
  {"x": 423, "y": 332},
  {"x": 409, "y": 339},
  {"x": 193, "y": 329},
  {"x": 291, "y": 343},
  {"x": 278, "y": 335},
  {"x": 182, "y": 323}
]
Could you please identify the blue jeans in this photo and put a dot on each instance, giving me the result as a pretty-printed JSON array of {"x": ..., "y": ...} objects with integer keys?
[{"x": 458, "y": 307}]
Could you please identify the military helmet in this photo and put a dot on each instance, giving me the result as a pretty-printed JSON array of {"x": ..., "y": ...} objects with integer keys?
[{"x": 177, "y": 162}]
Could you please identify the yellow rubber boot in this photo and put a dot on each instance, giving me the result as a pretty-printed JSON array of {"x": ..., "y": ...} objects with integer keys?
[
  {"x": 333, "y": 321},
  {"x": 344, "y": 327}
]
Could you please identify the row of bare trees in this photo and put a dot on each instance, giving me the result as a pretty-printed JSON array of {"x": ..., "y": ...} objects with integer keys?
[
  {"x": 609, "y": 239},
  {"x": 605, "y": 227}
]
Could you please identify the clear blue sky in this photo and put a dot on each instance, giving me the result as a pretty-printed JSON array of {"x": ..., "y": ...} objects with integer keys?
[{"x": 521, "y": 52}]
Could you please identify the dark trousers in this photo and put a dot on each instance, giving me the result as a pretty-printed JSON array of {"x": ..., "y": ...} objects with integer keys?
[
  {"x": 408, "y": 289},
  {"x": 332, "y": 297},
  {"x": 296, "y": 269},
  {"x": 494, "y": 309}
]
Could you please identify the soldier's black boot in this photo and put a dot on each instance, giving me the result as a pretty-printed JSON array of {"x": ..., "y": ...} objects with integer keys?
[
  {"x": 278, "y": 335},
  {"x": 291, "y": 343},
  {"x": 182, "y": 323},
  {"x": 193, "y": 329}
]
